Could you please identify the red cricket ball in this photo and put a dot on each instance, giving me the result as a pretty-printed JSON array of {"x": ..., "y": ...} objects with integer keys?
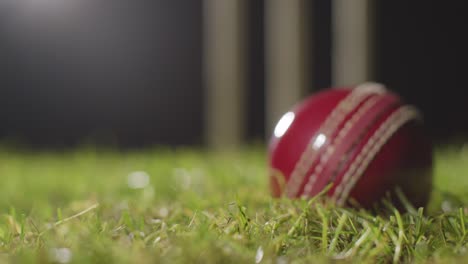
[{"x": 363, "y": 140}]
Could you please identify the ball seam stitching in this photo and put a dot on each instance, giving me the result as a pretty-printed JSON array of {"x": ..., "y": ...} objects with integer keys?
[
  {"x": 310, "y": 154},
  {"x": 331, "y": 149},
  {"x": 401, "y": 116},
  {"x": 344, "y": 107}
]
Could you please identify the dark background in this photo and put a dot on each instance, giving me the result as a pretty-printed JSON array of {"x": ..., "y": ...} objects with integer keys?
[
  {"x": 422, "y": 54},
  {"x": 115, "y": 72},
  {"x": 129, "y": 73}
]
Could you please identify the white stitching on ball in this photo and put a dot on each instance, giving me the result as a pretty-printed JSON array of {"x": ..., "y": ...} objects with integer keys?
[{"x": 397, "y": 119}]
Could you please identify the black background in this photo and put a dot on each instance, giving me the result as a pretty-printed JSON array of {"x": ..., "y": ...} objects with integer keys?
[
  {"x": 119, "y": 72},
  {"x": 422, "y": 54},
  {"x": 129, "y": 73}
]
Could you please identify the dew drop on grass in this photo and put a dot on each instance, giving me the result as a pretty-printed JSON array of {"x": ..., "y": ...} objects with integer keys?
[
  {"x": 183, "y": 178},
  {"x": 156, "y": 240},
  {"x": 259, "y": 255},
  {"x": 163, "y": 212},
  {"x": 61, "y": 255},
  {"x": 155, "y": 221},
  {"x": 138, "y": 180},
  {"x": 447, "y": 206}
]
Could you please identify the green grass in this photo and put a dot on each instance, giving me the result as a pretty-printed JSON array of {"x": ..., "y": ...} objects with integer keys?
[{"x": 208, "y": 208}]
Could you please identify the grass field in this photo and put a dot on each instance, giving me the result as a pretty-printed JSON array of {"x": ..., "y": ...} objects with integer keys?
[{"x": 183, "y": 206}]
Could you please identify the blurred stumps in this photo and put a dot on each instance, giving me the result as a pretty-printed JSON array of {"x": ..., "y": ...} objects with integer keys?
[
  {"x": 352, "y": 41},
  {"x": 287, "y": 65},
  {"x": 225, "y": 72},
  {"x": 288, "y": 68}
]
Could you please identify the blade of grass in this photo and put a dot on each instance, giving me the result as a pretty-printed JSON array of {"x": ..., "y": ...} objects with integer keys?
[
  {"x": 339, "y": 228},
  {"x": 87, "y": 210}
]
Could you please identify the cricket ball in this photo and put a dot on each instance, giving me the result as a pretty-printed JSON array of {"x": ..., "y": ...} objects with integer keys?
[{"x": 363, "y": 140}]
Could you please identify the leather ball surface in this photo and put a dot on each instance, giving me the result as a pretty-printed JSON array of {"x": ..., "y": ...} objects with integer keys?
[{"x": 363, "y": 140}]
